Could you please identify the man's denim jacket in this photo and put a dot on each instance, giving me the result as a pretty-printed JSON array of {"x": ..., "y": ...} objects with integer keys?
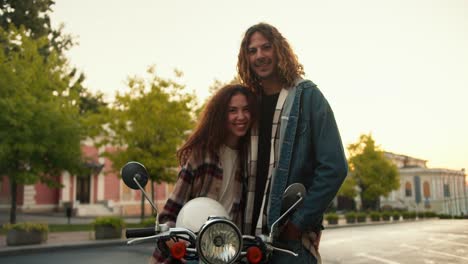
[{"x": 311, "y": 153}]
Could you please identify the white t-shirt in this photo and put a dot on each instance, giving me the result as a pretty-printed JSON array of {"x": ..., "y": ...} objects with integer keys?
[{"x": 229, "y": 162}]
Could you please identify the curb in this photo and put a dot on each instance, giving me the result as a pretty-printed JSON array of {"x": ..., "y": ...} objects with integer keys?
[
  {"x": 12, "y": 250},
  {"x": 370, "y": 224}
]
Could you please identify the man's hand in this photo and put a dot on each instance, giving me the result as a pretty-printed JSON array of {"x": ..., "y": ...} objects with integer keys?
[{"x": 290, "y": 232}]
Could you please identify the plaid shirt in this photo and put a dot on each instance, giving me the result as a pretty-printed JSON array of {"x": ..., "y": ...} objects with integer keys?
[{"x": 199, "y": 178}]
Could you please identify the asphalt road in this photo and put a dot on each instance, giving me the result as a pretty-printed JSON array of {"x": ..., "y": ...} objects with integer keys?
[
  {"x": 421, "y": 242},
  {"x": 99, "y": 255},
  {"x": 425, "y": 242}
]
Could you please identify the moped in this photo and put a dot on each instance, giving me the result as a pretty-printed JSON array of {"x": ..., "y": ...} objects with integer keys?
[{"x": 204, "y": 233}]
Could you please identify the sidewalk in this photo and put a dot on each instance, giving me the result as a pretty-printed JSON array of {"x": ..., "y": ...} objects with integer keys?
[{"x": 59, "y": 241}]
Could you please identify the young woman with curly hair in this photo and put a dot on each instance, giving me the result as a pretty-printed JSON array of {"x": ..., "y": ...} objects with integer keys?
[{"x": 213, "y": 159}]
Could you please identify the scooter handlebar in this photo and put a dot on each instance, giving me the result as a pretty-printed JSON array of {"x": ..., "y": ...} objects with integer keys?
[{"x": 140, "y": 232}]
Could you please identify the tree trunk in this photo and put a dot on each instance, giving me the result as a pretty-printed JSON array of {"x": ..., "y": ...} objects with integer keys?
[
  {"x": 13, "y": 189},
  {"x": 142, "y": 215},
  {"x": 152, "y": 196},
  {"x": 363, "y": 202}
]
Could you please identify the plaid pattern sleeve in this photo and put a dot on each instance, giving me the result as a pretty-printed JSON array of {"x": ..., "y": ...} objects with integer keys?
[{"x": 178, "y": 198}]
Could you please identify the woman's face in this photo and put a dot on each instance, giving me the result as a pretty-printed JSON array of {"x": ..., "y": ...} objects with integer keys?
[{"x": 238, "y": 119}]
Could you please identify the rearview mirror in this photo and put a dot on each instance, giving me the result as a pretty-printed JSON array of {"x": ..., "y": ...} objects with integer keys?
[
  {"x": 292, "y": 198},
  {"x": 291, "y": 195},
  {"x": 134, "y": 171}
]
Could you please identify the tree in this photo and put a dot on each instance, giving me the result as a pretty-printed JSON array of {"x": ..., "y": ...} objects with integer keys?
[
  {"x": 33, "y": 17},
  {"x": 148, "y": 123},
  {"x": 38, "y": 121},
  {"x": 371, "y": 172}
]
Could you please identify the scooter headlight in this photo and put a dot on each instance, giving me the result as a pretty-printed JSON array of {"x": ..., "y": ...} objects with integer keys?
[{"x": 219, "y": 241}]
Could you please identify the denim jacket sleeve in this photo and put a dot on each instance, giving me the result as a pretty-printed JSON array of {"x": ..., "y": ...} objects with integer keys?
[{"x": 329, "y": 166}]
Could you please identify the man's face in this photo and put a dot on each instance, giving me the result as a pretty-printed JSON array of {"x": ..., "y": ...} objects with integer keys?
[{"x": 262, "y": 56}]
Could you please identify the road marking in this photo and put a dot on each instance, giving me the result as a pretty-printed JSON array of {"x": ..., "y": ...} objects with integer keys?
[
  {"x": 448, "y": 242},
  {"x": 457, "y": 235},
  {"x": 433, "y": 251},
  {"x": 377, "y": 258},
  {"x": 445, "y": 254}
]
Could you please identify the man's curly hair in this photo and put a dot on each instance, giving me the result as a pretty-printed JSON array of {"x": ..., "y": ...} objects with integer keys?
[{"x": 288, "y": 67}]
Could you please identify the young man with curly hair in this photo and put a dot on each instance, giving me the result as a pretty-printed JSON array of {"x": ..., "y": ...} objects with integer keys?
[{"x": 296, "y": 140}]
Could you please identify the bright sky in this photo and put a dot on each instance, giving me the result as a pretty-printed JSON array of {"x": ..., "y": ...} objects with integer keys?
[{"x": 397, "y": 69}]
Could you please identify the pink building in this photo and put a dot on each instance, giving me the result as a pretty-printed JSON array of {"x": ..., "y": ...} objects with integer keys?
[{"x": 101, "y": 192}]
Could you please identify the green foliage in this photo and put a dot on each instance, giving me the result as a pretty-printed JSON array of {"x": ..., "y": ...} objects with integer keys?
[
  {"x": 26, "y": 226},
  {"x": 396, "y": 215},
  {"x": 371, "y": 171},
  {"x": 408, "y": 215},
  {"x": 386, "y": 215},
  {"x": 429, "y": 214},
  {"x": 148, "y": 123},
  {"x": 149, "y": 222},
  {"x": 350, "y": 217},
  {"x": 348, "y": 188},
  {"x": 38, "y": 122},
  {"x": 361, "y": 216},
  {"x": 375, "y": 216},
  {"x": 113, "y": 221},
  {"x": 332, "y": 218},
  {"x": 445, "y": 216},
  {"x": 33, "y": 15}
]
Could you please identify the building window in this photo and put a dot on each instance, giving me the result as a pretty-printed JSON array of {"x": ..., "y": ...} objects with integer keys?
[
  {"x": 426, "y": 190},
  {"x": 408, "y": 188},
  {"x": 446, "y": 190}
]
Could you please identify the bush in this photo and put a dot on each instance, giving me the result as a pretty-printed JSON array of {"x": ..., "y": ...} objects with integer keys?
[
  {"x": 26, "y": 233},
  {"x": 375, "y": 216},
  {"x": 113, "y": 221},
  {"x": 107, "y": 227},
  {"x": 396, "y": 216},
  {"x": 386, "y": 215},
  {"x": 445, "y": 216},
  {"x": 26, "y": 226},
  {"x": 332, "y": 218},
  {"x": 350, "y": 217},
  {"x": 429, "y": 214},
  {"x": 408, "y": 215},
  {"x": 361, "y": 217}
]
